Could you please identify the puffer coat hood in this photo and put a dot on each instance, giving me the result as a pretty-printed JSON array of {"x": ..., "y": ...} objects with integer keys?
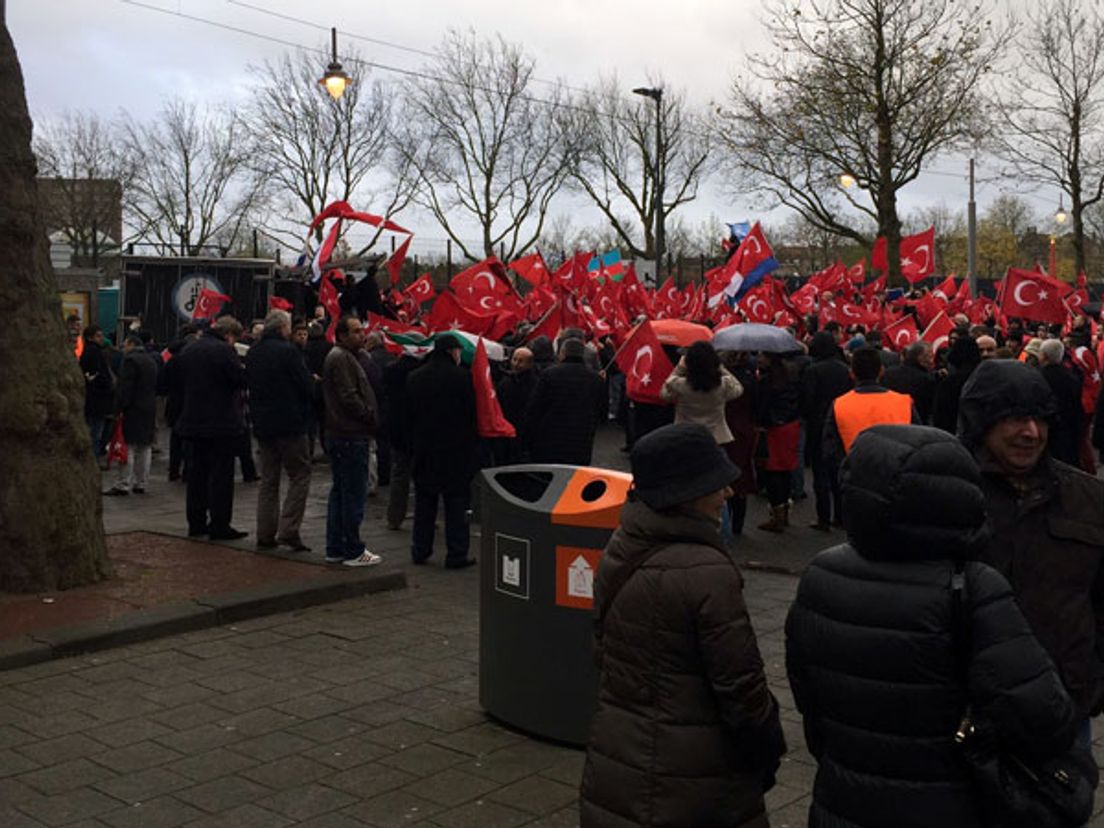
[
  {"x": 997, "y": 389},
  {"x": 912, "y": 493}
]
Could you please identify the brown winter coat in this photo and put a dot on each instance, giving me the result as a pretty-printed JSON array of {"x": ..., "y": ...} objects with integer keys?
[
  {"x": 1048, "y": 541},
  {"x": 686, "y": 732}
]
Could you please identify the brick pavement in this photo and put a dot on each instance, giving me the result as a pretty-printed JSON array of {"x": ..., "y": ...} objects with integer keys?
[{"x": 361, "y": 713}]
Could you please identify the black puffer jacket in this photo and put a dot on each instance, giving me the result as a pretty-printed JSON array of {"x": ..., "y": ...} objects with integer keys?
[
  {"x": 870, "y": 643},
  {"x": 136, "y": 397},
  {"x": 563, "y": 412},
  {"x": 686, "y": 732}
]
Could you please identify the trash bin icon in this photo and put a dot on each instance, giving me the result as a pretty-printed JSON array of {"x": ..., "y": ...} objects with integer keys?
[{"x": 543, "y": 531}]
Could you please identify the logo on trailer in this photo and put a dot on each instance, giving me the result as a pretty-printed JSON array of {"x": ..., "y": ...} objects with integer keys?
[{"x": 185, "y": 294}]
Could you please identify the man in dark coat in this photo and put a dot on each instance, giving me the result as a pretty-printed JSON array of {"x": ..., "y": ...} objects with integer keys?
[
  {"x": 211, "y": 421},
  {"x": 915, "y": 378},
  {"x": 825, "y": 379},
  {"x": 686, "y": 732},
  {"x": 99, "y": 386},
  {"x": 514, "y": 391},
  {"x": 136, "y": 404},
  {"x": 399, "y": 435},
  {"x": 877, "y": 666},
  {"x": 1046, "y": 520},
  {"x": 963, "y": 357},
  {"x": 441, "y": 407},
  {"x": 172, "y": 389},
  {"x": 1065, "y": 433},
  {"x": 281, "y": 394},
  {"x": 567, "y": 405}
]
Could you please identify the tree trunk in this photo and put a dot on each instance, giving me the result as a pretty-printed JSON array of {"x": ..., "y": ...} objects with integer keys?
[{"x": 51, "y": 515}]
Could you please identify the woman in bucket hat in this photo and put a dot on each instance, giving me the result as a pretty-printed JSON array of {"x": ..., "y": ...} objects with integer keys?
[{"x": 686, "y": 731}]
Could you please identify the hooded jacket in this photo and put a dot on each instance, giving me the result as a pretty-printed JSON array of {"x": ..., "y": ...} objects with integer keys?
[
  {"x": 1047, "y": 530},
  {"x": 686, "y": 732},
  {"x": 871, "y": 644}
]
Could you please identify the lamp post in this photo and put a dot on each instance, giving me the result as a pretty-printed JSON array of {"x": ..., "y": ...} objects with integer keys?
[
  {"x": 971, "y": 237},
  {"x": 657, "y": 96},
  {"x": 1060, "y": 216},
  {"x": 335, "y": 80}
]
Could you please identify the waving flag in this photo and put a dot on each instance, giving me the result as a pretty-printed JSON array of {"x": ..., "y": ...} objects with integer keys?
[
  {"x": 917, "y": 255},
  {"x": 420, "y": 290},
  {"x": 644, "y": 364},
  {"x": 1032, "y": 296},
  {"x": 209, "y": 303},
  {"x": 902, "y": 333},
  {"x": 531, "y": 268},
  {"x": 608, "y": 264},
  {"x": 490, "y": 422},
  {"x": 395, "y": 261}
]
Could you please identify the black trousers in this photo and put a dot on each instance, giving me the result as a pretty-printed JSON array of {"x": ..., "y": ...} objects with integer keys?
[
  {"x": 210, "y": 498},
  {"x": 178, "y": 455},
  {"x": 777, "y": 484},
  {"x": 827, "y": 487},
  {"x": 457, "y": 535}
]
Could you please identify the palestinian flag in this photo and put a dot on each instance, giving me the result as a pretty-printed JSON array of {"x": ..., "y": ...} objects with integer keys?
[{"x": 418, "y": 344}]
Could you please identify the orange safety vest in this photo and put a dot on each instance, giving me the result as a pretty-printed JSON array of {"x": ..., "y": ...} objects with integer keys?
[{"x": 856, "y": 412}]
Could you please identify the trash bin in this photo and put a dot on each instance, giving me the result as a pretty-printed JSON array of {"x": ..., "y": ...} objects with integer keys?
[{"x": 543, "y": 531}]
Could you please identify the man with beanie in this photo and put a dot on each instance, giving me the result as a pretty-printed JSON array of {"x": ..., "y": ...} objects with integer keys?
[
  {"x": 686, "y": 731},
  {"x": 1047, "y": 523},
  {"x": 565, "y": 409},
  {"x": 441, "y": 408}
]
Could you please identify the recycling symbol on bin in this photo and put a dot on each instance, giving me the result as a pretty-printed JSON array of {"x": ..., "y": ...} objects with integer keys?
[{"x": 575, "y": 568}]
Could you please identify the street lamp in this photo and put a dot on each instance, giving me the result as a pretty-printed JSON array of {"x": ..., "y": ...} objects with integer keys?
[
  {"x": 335, "y": 80},
  {"x": 1061, "y": 215},
  {"x": 657, "y": 96},
  {"x": 847, "y": 181}
]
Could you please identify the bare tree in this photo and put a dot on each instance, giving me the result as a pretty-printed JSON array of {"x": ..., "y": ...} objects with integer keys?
[
  {"x": 483, "y": 148},
  {"x": 314, "y": 150},
  {"x": 871, "y": 89},
  {"x": 1052, "y": 113},
  {"x": 192, "y": 179},
  {"x": 84, "y": 157},
  {"x": 51, "y": 516},
  {"x": 615, "y": 163}
]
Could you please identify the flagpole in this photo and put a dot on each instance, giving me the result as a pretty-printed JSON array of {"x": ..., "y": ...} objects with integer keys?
[{"x": 624, "y": 344}]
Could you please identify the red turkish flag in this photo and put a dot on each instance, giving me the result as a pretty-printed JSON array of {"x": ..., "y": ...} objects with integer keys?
[
  {"x": 939, "y": 331},
  {"x": 483, "y": 279},
  {"x": 327, "y": 298},
  {"x": 531, "y": 268},
  {"x": 1074, "y": 301},
  {"x": 946, "y": 289},
  {"x": 448, "y": 313},
  {"x": 917, "y": 255},
  {"x": 383, "y": 323},
  {"x": 1027, "y": 295},
  {"x": 395, "y": 263},
  {"x": 849, "y": 314},
  {"x": 607, "y": 304},
  {"x": 756, "y": 305},
  {"x": 874, "y": 286},
  {"x": 420, "y": 290},
  {"x": 645, "y": 365},
  {"x": 634, "y": 298},
  {"x": 928, "y": 307},
  {"x": 668, "y": 300},
  {"x": 538, "y": 301},
  {"x": 804, "y": 298},
  {"x": 489, "y": 419},
  {"x": 1085, "y": 359},
  {"x": 857, "y": 272},
  {"x": 902, "y": 333},
  {"x": 280, "y": 303},
  {"x": 1082, "y": 280},
  {"x": 548, "y": 325},
  {"x": 209, "y": 303}
]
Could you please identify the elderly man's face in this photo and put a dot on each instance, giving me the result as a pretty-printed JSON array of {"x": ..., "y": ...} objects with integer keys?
[
  {"x": 987, "y": 346},
  {"x": 521, "y": 360},
  {"x": 1017, "y": 443}
]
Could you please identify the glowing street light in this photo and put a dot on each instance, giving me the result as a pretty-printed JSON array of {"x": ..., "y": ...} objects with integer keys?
[
  {"x": 847, "y": 181},
  {"x": 1061, "y": 215},
  {"x": 335, "y": 80}
]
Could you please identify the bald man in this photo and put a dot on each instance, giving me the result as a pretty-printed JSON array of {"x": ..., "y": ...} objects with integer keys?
[
  {"x": 514, "y": 391},
  {"x": 987, "y": 346}
]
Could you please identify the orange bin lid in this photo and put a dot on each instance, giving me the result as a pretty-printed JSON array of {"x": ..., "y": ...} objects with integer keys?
[{"x": 592, "y": 498}]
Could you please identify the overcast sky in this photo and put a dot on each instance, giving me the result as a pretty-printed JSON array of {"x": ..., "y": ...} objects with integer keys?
[{"x": 106, "y": 55}]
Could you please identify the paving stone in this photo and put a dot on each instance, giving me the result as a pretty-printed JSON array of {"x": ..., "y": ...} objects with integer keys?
[
  {"x": 188, "y": 716},
  {"x": 121, "y": 734},
  {"x": 199, "y": 739},
  {"x": 117, "y": 709},
  {"x": 379, "y": 713},
  {"x": 12, "y": 763},
  {"x": 307, "y": 801},
  {"x": 222, "y": 794},
  {"x": 516, "y": 761},
  {"x": 11, "y": 818},
  {"x": 452, "y": 787},
  {"x": 288, "y": 772},
  {"x": 327, "y": 729},
  {"x": 536, "y": 794},
  {"x": 211, "y": 765},
  {"x": 337, "y": 820},
  {"x": 370, "y": 779},
  {"x": 243, "y": 816},
  {"x": 482, "y": 814},
  {"x": 568, "y": 769},
  {"x": 51, "y": 751},
  {"x": 424, "y": 759},
  {"x": 258, "y": 722},
  {"x": 65, "y": 776},
  {"x": 66, "y": 808},
  {"x": 59, "y": 724},
  {"x": 138, "y": 756},
  {"x": 393, "y": 809},
  {"x": 481, "y": 739},
  {"x": 400, "y": 735},
  {"x": 12, "y": 792},
  {"x": 272, "y": 746},
  {"x": 312, "y": 707},
  {"x": 347, "y": 753},
  {"x": 143, "y": 785},
  {"x": 162, "y": 812}
]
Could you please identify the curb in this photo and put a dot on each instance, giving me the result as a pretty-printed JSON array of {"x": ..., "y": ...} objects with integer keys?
[{"x": 200, "y": 613}]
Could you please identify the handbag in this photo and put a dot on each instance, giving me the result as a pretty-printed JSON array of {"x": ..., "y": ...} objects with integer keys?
[{"x": 1014, "y": 792}]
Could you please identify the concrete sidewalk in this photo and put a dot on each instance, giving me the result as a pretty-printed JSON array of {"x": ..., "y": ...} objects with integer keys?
[{"x": 358, "y": 713}]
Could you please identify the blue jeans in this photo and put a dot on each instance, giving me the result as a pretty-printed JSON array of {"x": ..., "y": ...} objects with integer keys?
[
  {"x": 345, "y": 509},
  {"x": 96, "y": 431}
]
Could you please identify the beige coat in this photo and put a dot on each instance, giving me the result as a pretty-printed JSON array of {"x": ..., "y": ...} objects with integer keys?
[{"x": 705, "y": 407}]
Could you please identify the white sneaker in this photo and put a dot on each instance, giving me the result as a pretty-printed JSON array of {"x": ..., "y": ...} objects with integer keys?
[{"x": 365, "y": 558}]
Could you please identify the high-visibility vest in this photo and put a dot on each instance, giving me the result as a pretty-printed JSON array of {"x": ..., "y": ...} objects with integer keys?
[
  {"x": 78, "y": 347},
  {"x": 856, "y": 412}
]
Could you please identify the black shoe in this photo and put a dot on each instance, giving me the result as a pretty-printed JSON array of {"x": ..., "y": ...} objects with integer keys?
[
  {"x": 228, "y": 534},
  {"x": 419, "y": 561},
  {"x": 199, "y": 532},
  {"x": 464, "y": 563},
  {"x": 116, "y": 493},
  {"x": 820, "y": 527},
  {"x": 296, "y": 544},
  {"x": 173, "y": 477},
  {"x": 138, "y": 490},
  {"x": 252, "y": 479},
  {"x": 267, "y": 544}
]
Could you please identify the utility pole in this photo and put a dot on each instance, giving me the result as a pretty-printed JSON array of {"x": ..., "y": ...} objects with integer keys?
[
  {"x": 660, "y": 240},
  {"x": 971, "y": 236}
]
